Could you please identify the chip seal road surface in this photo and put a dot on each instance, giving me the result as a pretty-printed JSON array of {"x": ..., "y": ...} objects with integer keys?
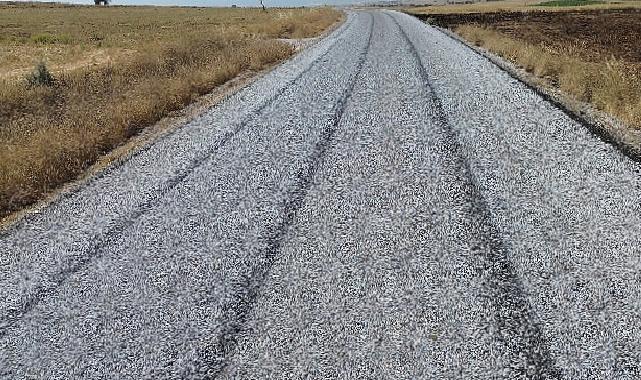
[{"x": 387, "y": 204}]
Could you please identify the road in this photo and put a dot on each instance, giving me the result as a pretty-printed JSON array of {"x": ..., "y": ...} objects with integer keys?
[{"x": 386, "y": 204}]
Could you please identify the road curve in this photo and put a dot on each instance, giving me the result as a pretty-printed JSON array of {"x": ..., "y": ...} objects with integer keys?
[{"x": 387, "y": 204}]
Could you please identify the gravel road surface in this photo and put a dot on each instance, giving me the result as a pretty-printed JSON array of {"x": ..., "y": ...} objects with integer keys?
[{"x": 386, "y": 205}]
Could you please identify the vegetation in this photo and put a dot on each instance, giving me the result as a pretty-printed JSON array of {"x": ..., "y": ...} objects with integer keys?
[
  {"x": 106, "y": 73},
  {"x": 611, "y": 84},
  {"x": 569, "y": 3},
  {"x": 519, "y": 6},
  {"x": 576, "y": 51},
  {"x": 40, "y": 77}
]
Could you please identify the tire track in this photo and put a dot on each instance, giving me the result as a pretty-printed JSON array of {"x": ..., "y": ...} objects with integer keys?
[
  {"x": 214, "y": 358},
  {"x": 517, "y": 325},
  {"x": 106, "y": 240}
]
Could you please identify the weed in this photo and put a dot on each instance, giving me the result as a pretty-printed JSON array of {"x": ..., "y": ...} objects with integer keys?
[
  {"x": 53, "y": 129},
  {"x": 40, "y": 76},
  {"x": 50, "y": 39}
]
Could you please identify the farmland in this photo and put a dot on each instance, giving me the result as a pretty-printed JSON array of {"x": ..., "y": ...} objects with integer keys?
[
  {"x": 526, "y": 6},
  {"x": 103, "y": 74},
  {"x": 590, "y": 33},
  {"x": 590, "y": 54}
]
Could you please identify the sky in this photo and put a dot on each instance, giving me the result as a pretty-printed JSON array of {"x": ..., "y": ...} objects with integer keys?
[{"x": 221, "y": 3}]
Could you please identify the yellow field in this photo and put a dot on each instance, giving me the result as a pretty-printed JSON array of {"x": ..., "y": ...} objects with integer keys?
[
  {"x": 68, "y": 37},
  {"x": 116, "y": 70}
]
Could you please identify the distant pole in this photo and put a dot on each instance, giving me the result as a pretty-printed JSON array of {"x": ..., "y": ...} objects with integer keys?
[{"x": 263, "y": 5}]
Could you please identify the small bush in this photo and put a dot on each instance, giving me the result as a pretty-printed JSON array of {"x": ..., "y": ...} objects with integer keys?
[
  {"x": 51, "y": 39},
  {"x": 40, "y": 77}
]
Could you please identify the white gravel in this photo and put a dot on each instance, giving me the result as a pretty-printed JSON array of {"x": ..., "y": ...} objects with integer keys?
[{"x": 387, "y": 204}]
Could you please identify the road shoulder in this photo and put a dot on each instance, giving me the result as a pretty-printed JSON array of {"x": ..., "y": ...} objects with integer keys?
[
  {"x": 164, "y": 127},
  {"x": 607, "y": 127}
]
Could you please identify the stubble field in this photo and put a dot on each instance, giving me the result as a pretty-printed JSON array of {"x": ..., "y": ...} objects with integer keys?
[{"x": 106, "y": 73}]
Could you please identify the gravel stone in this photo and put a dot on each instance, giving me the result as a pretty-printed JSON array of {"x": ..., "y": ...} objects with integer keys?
[{"x": 386, "y": 204}]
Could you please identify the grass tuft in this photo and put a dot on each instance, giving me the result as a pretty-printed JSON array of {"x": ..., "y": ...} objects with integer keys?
[
  {"x": 50, "y": 39},
  {"x": 40, "y": 77}
]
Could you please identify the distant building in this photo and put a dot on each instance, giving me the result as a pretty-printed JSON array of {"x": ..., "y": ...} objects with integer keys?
[{"x": 99, "y": 2}]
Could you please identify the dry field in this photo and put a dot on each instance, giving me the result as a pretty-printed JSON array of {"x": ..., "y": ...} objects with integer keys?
[
  {"x": 112, "y": 71},
  {"x": 592, "y": 55},
  {"x": 499, "y": 6}
]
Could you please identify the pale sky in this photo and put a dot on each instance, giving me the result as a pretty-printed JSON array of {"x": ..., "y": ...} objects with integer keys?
[{"x": 222, "y": 3}]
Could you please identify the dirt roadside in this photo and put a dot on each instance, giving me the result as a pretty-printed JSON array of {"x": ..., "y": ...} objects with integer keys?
[
  {"x": 162, "y": 128},
  {"x": 586, "y": 62}
]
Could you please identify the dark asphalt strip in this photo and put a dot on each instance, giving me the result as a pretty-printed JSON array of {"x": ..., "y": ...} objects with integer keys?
[
  {"x": 215, "y": 357},
  {"x": 517, "y": 325},
  {"x": 104, "y": 241}
]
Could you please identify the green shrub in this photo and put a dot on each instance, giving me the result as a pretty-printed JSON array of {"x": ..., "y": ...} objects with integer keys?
[
  {"x": 40, "y": 77},
  {"x": 51, "y": 39}
]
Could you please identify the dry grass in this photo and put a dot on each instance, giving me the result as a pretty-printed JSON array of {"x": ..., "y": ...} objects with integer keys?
[
  {"x": 576, "y": 51},
  {"x": 611, "y": 85},
  {"x": 116, "y": 71}
]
